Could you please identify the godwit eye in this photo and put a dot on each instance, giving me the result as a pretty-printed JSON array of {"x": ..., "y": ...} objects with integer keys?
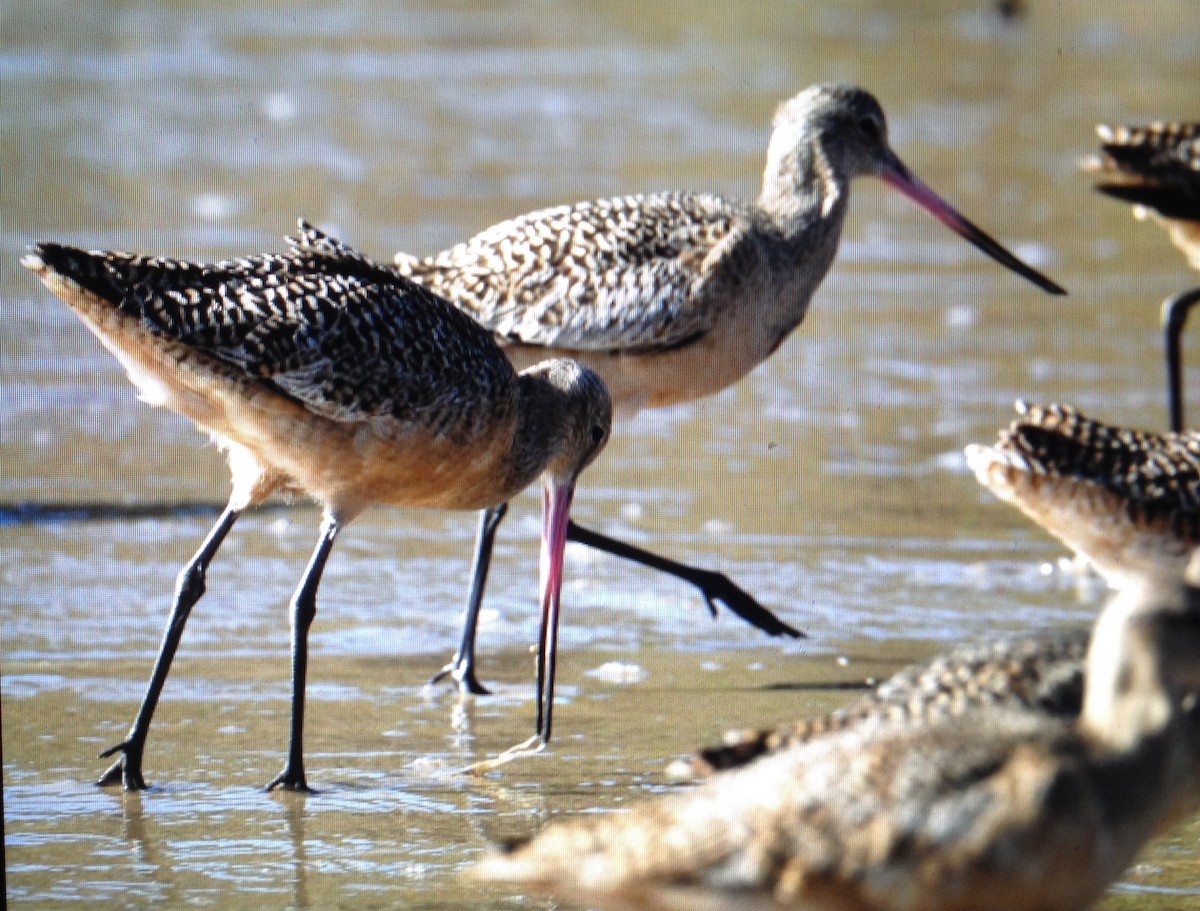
[
  {"x": 597, "y": 435},
  {"x": 869, "y": 127}
]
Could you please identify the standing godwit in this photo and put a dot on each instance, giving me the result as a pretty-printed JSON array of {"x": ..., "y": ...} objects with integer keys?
[
  {"x": 1128, "y": 501},
  {"x": 323, "y": 373},
  {"x": 997, "y": 808},
  {"x": 1157, "y": 168},
  {"x": 674, "y": 296}
]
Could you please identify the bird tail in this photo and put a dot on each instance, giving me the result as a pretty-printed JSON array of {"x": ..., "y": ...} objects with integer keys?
[
  {"x": 1058, "y": 440},
  {"x": 105, "y": 275}
]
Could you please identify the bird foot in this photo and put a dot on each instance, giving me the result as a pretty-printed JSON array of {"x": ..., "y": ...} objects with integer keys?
[
  {"x": 127, "y": 770},
  {"x": 290, "y": 780},
  {"x": 717, "y": 588},
  {"x": 463, "y": 674}
]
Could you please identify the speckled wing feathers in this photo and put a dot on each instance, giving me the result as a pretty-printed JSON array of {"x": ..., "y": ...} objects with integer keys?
[
  {"x": 1044, "y": 674},
  {"x": 348, "y": 338},
  {"x": 626, "y": 273},
  {"x": 1156, "y": 165},
  {"x": 1156, "y": 475}
]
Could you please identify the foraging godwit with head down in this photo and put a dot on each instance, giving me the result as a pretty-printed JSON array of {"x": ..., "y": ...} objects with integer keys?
[
  {"x": 321, "y": 372},
  {"x": 995, "y": 808},
  {"x": 1157, "y": 169},
  {"x": 674, "y": 296},
  {"x": 1127, "y": 501}
]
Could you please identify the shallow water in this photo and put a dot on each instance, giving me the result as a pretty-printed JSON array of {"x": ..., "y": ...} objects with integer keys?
[{"x": 829, "y": 483}]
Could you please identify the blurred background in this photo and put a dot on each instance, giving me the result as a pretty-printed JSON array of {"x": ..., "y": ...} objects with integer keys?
[{"x": 829, "y": 483}]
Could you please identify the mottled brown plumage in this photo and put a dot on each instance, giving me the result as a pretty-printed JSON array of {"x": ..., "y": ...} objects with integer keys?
[
  {"x": 1043, "y": 674},
  {"x": 995, "y": 808},
  {"x": 1126, "y": 500},
  {"x": 322, "y": 334},
  {"x": 1157, "y": 168},
  {"x": 321, "y": 372}
]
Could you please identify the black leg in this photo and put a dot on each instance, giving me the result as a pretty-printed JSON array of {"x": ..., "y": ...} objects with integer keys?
[
  {"x": 462, "y": 666},
  {"x": 716, "y": 587},
  {"x": 1174, "y": 317},
  {"x": 304, "y": 608},
  {"x": 189, "y": 586}
]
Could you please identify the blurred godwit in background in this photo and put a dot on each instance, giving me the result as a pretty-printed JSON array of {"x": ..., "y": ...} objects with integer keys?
[
  {"x": 675, "y": 296},
  {"x": 1042, "y": 674},
  {"x": 323, "y": 373},
  {"x": 1157, "y": 169},
  {"x": 996, "y": 807}
]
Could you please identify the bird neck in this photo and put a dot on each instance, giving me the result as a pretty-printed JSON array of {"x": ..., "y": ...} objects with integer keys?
[
  {"x": 803, "y": 190},
  {"x": 1127, "y": 700}
]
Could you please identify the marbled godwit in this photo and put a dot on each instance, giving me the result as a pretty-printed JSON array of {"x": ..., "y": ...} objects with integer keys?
[
  {"x": 1157, "y": 169},
  {"x": 1127, "y": 501},
  {"x": 324, "y": 373},
  {"x": 997, "y": 808},
  {"x": 674, "y": 296}
]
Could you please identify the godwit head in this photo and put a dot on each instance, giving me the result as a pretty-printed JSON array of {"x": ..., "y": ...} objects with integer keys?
[
  {"x": 574, "y": 401},
  {"x": 847, "y": 128}
]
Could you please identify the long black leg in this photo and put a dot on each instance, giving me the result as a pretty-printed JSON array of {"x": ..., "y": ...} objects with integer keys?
[
  {"x": 462, "y": 666},
  {"x": 1174, "y": 316},
  {"x": 716, "y": 587},
  {"x": 304, "y": 608},
  {"x": 189, "y": 586}
]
